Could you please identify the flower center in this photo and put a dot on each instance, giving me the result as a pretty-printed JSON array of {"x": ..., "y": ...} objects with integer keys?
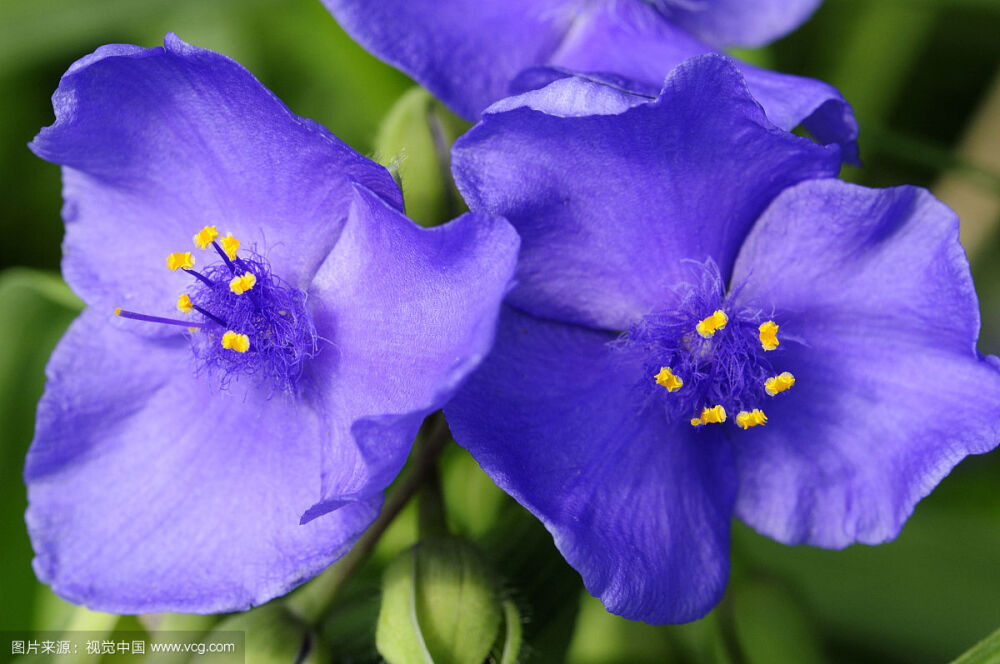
[
  {"x": 709, "y": 360},
  {"x": 244, "y": 319}
]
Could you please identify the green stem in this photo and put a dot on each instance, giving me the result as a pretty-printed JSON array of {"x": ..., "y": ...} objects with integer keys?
[{"x": 313, "y": 601}]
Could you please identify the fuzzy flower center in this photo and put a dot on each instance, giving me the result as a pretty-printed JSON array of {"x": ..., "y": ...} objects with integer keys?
[
  {"x": 244, "y": 320},
  {"x": 709, "y": 360}
]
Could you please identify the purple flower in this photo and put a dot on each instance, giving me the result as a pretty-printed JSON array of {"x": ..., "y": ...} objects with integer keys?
[
  {"x": 177, "y": 452},
  {"x": 468, "y": 52},
  {"x": 705, "y": 326}
]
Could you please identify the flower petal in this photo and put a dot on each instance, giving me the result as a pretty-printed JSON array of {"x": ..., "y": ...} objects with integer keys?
[
  {"x": 725, "y": 23},
  {"x": 876, "y": 300},
  {"x": 157, "y": 143},
  {"x": 464, "y": 51},
  {"x": 409, "y": 312},
  {"x": 152, "y": 490},
  {"x": 640, "y": 508},
  {"x": 637, "y": 43},
  {"x": 467, "y": 52},
  {"x": 609, "y": 206}
]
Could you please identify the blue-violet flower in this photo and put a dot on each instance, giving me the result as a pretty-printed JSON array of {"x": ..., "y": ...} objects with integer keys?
[
  {"x": 471, "y": 53},
  {"x": 707, "y": 324},
  {"x": 229, "y": 434}
]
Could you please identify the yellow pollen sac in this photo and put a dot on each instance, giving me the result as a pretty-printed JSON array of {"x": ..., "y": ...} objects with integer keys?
[
  {"x": 769, "y": 335},
  {"x": 667, "y": 379},
  {"x": 118, "y": 311},
  {"x": 205, "y": 236},
  {"x": 754, "y": 418},
  {"x": 713, "y": 323},
  {"x": 235, "y": 341},
  {"x": 230, "y": 245},
  {"x": 184, "y": 304},
  {"x": 242, "y": 283},
  {"x": 713, "y": 415},
  {"x": 181, "y": 259},
  {"x": 779, "y": 383}
]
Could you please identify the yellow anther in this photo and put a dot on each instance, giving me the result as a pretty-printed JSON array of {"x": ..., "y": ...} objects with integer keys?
[
  {"x": 769, "y": 335},
  {"x": 667, "y": 379},
  {"x": 753, "y": 418},
  {"x": 230, "y": 245},
  {"x": 184, "y": 303},
  {"x": 713, "y": 415},
  {"x": 236, "y": 341},
  {"x": 709, "y": 326},
  {"x": 192, "y": 329},
  {"x": 181, "y": 259},
  {"x": 205, "y": 236},
  {"x": 695, "y": 422},
  {"x": 242, "y": 283},
  {"x": 118, "y": 311},
  {"x": 779, "y": 383}
]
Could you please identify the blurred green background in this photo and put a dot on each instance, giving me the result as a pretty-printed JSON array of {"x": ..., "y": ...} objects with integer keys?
[{"x": 923, "y": 77}]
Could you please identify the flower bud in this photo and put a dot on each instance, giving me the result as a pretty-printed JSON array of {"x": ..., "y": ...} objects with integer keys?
[
  {"x": 440, "y": 603},
  {"x": 414, "y": 142}
]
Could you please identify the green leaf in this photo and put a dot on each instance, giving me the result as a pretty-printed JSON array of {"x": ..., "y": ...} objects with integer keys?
[
  {"x": 415, "y": 141},
  {"x": 986, "y": 651},
  {"x": 439, "y": 606}
]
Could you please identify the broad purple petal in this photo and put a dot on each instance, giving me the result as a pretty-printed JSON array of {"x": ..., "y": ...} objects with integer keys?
[
  {"x": 151, "y": 490},
  {"x": 637, "y": 43},
  {"x": 639, "y": 507},
  {"x": 408, "y": 313},
  {"x": 725, "y": 23},
  {"x": 467, "y": 52},
  {"x": 156, "y": 143},
  {"x": 610, "y": 206},
  {"x": 877, "y": 303},
  {"x": 464, "y": 51}
]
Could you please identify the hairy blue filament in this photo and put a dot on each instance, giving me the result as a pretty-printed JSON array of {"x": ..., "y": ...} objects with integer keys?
[
  {"x": 728, "y": 369},
  {"x": 272, "y": 314}
]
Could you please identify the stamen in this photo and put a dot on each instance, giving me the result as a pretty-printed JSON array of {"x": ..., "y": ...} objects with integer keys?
[
  {"x": 242, "y": 283},
  {"x": 667, "y": 379},
  {"x": 235, "y": 341},
  {"x": 205, "y": 236},
  {"x": 208, "y": 314},
  {"x": 753, "y": 418},
  {"x": 779, "y": 383},
  {"x": 708, "y": 327},
  {"x": 198, "y": 275},
  {"x": 769, "y": 335},
  {"x": 180, "y": 259},
  {"x": 184, "y": 304},
  {"x": 230, "y": 245},
  {"x": 225, "y": 258},
  {"x": 713, "y": 415},
  {"x": 155, "y": 319}
]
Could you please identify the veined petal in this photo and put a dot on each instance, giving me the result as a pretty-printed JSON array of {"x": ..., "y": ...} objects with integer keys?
[
  {"x": 151, "y": 490},
  {"x": 157, "y": 143},
  {"x": 725, "y": 23},
  {"x": 408, "y": 313},
  {"x": 609, "y": 206},
  {"x": 638, "y": 43},
  {"x": 467, "y": 52},
  {"x": 464, "y": 51},
  {"x": 881, "y": 323},
  {"x": 639, "y": 507}
]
